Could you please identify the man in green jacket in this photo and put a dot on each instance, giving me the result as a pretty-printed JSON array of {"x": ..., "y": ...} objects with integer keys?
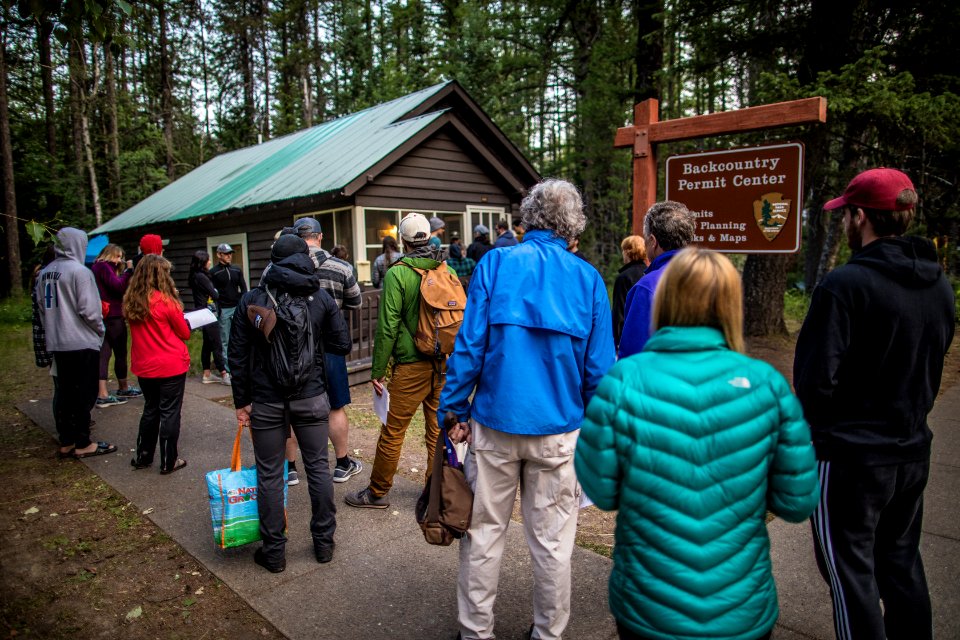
[{"x": 417, "y": 379}]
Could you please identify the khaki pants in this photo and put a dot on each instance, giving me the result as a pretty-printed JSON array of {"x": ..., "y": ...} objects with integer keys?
[
  {"x": 411, "y": 385},
  {"x": 549, "y": 501}
]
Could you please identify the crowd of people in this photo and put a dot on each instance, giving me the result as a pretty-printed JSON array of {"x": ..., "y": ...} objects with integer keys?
[{"x": 651, "y": 408}]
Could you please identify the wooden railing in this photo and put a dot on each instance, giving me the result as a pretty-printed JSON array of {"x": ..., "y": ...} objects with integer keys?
[{"x": 363, "y": 327}]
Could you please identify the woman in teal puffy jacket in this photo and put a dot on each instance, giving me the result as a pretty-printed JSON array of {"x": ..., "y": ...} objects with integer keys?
[{"x": 693, "y": 442}]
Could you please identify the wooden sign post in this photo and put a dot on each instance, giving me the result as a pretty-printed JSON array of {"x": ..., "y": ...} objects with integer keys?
[{"x": 648, "y": 130}]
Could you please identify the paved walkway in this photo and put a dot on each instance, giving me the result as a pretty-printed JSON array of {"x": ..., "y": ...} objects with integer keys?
[{"x": 386, "y": 582}]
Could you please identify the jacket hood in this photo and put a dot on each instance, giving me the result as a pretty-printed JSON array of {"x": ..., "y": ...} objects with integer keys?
[
  {"x": 72, "y": 244},
  {"x": 293, "y": 274},
  {"x": 909, "y": 260}
]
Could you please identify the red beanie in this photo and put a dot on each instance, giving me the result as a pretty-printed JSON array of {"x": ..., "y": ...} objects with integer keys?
[{"x": 151, "y": 243}]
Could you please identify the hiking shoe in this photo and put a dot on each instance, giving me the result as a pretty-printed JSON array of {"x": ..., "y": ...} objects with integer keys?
[
  {"x": 273, "y": 567},
  {"x": 226, "y": 379},
  {"x": 342, "y": 474},
  {"x": 110, "y": 401},
  {"x": 209, "y": 378},
  {"x": 129, "y": 392},
  {"x": 293, "y": 478},
  {"x": 366, "y": 500},
  {"x": 323, "y": 552}
]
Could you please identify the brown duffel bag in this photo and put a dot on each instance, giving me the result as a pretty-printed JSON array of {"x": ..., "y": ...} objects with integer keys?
[{"x": 444, "y": 508}]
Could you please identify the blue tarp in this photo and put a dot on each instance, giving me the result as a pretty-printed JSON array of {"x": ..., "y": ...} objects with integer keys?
[{"x": 94, "y": 246}]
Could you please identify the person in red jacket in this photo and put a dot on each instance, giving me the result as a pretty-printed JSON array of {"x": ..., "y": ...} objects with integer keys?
[{"x": 159, "y": 358}]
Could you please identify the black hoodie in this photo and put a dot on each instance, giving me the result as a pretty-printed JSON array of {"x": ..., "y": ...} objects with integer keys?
[
  {"x": 248, "y": 349},
  {"x": 870, "y": 353}
]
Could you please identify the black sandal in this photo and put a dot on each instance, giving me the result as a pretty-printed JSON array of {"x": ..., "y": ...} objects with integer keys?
[
  {"x": 140, "y": 465},
  {"x": 179, "y": 464},
  {"x": 103, "y": 448}
]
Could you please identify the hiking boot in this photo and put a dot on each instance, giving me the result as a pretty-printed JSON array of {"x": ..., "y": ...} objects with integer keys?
[
  {"x": 323, "y": 552},
  {"x": 109, "y": 401},
  {"x": 273, "y": 567},
  {"x": 226, "y": 379},
  {"x": 293, "y": 478},
  {"x": 342, "y": 474},
  {"x": 130, "y": 392},
  {"x": 209, "y": 378},
  {"x": 363, "y": 499}
]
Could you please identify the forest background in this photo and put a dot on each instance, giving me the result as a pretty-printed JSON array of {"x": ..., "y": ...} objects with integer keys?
[{"x": 102, "y": 102}]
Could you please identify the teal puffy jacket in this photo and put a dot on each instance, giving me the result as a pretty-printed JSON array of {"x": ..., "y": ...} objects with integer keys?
[{"x": 693, "y": 443}]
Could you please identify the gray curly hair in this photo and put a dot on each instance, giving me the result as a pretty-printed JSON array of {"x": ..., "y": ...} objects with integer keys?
[{"x": 554, "y": 205}]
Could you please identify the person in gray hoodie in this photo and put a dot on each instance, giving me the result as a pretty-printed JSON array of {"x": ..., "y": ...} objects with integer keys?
[{"x": 73, "y": 323}]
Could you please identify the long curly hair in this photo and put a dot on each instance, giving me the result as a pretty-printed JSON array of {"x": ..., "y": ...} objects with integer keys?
[{"x": 152, "y": 274}]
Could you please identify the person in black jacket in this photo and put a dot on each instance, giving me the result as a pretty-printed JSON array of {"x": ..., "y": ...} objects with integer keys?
[
  {"x": 867, "y": 370},
  {"x": 203, "y": 291},
  {"x": 481, "y": 243},
  {"x": 634, "y": 251},
  {"x": 230, "y": 284},
  {"x": 270, "y": 412}
]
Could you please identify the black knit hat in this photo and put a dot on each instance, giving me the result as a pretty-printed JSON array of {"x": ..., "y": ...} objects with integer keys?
[{"x": 286, "y": 246}]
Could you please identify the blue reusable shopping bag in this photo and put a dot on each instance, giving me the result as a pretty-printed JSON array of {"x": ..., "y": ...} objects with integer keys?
[{"x": 233, "y": 501}]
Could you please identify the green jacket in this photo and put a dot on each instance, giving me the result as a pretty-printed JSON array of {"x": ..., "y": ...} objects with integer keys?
[
  {"x": 398, "y": 315},
  {"x": 693, "y": 443}
]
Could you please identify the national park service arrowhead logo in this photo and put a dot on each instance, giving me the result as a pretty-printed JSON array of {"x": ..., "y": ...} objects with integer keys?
[{"x": 771, "y": 212}]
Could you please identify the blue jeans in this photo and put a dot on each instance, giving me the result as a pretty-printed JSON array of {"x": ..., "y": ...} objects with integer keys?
[{"x": 226, "y": 317}]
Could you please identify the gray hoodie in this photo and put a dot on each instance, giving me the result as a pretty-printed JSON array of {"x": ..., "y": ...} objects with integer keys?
[{"x": 69, "y": 301}]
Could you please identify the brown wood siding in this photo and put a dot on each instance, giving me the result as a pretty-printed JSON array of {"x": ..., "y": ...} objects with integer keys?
[{"x": 438, "y": 175}]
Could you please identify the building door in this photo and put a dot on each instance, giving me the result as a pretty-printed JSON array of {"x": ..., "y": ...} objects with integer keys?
[{"x": 237, "y": 242}]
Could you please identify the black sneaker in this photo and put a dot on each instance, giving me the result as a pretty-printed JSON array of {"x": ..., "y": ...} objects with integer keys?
[
  {"x": 324, "y": 552},
  {"x": 273, "y": 567},
  {"x": 342, "y": 474},
  {"x": 366, "y": 500}
]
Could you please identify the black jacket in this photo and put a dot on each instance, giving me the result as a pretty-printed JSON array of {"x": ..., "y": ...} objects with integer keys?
[
  {"x": 870, "y": 353},
  {"x": 629, "y": 274},
  {"x": 230, "y": 284},
  {"x": 202, "y": 289},
  {"x": 248, "y": 349},
  {"x": 478, "y": 248}
]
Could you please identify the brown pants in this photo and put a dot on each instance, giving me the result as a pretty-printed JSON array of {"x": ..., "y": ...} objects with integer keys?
[{"x": 411, "y": 385}]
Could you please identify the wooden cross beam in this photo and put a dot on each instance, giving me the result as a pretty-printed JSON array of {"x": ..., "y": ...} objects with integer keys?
[{"x": 647, "y": 131}]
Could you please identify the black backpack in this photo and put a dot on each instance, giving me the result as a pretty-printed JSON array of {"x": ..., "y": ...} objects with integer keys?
[{"x": 286, "y": 325}]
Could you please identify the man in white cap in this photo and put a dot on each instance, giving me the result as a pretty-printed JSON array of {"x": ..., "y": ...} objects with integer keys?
[
  {"x": 417, "y": 379},
  {"x": 867, "y": 370},
  {"x": 231, "y": 286}
]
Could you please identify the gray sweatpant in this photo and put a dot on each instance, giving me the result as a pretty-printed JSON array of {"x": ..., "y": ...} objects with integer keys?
[{"x": 270, "y": 430}]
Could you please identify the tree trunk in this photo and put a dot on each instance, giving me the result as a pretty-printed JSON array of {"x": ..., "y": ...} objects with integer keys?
[
  {"x": 264, "y": 14},
  {"x": 113, "y": 134},
  {"x": 77, "y": 78},
  {"x": 763, "y": 297},
  {"x": 10, "y": 226},
  {"x": 44, "y": 31},
  {"x": 166, "y": 89}
]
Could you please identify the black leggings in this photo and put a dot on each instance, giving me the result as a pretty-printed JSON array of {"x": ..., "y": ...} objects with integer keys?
[
  {"x": 162, "y": 401},
  {"x": 76, "y": 393},
  {"x": 211, "y": 346},
  {"x": 114, "y": 340}
]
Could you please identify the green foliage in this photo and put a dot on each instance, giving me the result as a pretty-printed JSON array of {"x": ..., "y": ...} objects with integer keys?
[{"x": 16, "y": 311}]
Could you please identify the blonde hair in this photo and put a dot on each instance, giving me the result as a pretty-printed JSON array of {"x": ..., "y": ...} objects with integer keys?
[
  {"x": 109, "y": 252},
  {"x": 152, "y": 274},
  {"x": 634, "y": 248},
  {"x": 700, "y": 287}
]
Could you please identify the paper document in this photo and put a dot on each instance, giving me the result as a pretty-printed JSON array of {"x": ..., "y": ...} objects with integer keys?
[
  {"x": 381, "y": 404},
  {"x": 200, "y": 318}
]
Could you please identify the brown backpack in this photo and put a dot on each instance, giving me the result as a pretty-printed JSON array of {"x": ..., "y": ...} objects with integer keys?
[
  {"x": 442, "y": 301},
  {"x": 446, "y": 503}
]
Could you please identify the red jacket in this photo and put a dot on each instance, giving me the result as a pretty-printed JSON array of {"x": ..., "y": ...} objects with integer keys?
[{"x": 158, "y": 349}]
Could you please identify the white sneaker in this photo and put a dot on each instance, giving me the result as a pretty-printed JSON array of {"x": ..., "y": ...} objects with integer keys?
[
  {"x": 209, "y": 378},
  {"x": 225, "y": 379}
]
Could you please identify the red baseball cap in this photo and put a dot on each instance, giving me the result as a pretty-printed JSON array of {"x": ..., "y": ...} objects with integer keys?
[{"x": 874, "y": 189}]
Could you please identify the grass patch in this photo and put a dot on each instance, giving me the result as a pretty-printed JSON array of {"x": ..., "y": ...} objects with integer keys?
[
  {"x": 605, "y": 550},
  {"x": 16, "y": 312},
  {"x": 796, "y": 303}
]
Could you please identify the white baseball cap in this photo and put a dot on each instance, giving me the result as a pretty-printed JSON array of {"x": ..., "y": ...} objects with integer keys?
[{"x": 414, "y": 228}]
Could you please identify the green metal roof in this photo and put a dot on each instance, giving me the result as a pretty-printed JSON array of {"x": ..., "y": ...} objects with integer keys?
[{"x": 317, "y": 160}]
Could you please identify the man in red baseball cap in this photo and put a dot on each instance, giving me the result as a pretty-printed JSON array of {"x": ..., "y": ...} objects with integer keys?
[{"x": 867, "y": 370}]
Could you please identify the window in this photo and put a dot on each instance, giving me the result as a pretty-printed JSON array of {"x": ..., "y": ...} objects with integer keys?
[
  {"x": 488, "y": 217},
  {"x": 336, "y": 226},
  {"x": 237, "y": 242},
  {"x": 378, "y": 223}
]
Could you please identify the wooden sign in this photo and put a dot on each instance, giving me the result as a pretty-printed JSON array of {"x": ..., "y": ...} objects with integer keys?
[
  {"x": 647, "y": 130},
  {"x": 745, "y": 200}
]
